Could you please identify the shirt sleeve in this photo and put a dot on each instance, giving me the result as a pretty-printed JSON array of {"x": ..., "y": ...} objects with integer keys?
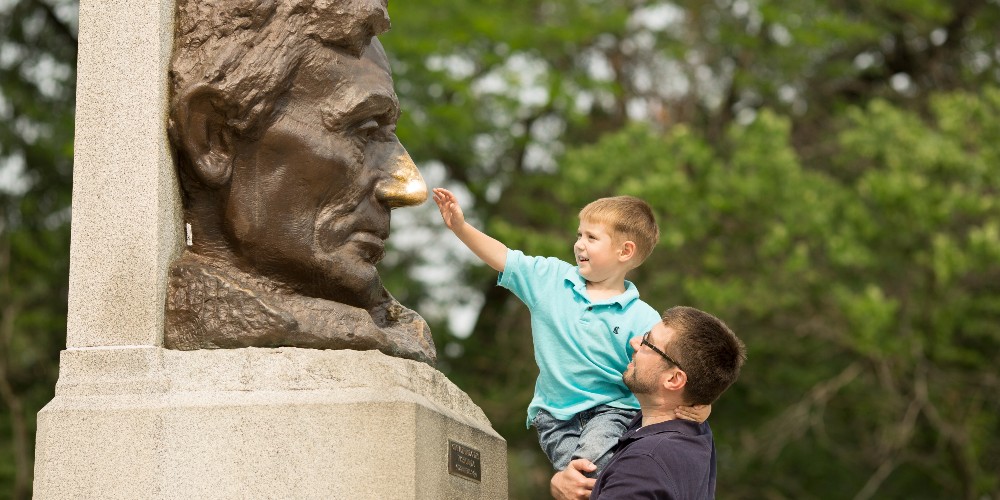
[
  {"x": 635, "y": 477},
  {"x": 529, "y": 277}
]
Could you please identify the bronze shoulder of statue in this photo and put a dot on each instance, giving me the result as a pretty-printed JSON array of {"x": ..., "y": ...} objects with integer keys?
[
  {"x": 282, "y": 121},
  {"x": 209, "y": 307}
]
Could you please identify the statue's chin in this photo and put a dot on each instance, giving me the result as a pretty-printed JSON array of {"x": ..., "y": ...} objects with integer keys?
[{"x": 354, "y": 282}]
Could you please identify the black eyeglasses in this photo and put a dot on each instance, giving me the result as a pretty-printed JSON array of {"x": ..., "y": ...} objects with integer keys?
[{"x": 645, "y": 342}]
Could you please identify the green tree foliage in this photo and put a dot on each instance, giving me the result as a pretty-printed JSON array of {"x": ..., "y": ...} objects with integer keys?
[
  {"x": 815, "y": 183},
  {"x": 37, "y": 79}
]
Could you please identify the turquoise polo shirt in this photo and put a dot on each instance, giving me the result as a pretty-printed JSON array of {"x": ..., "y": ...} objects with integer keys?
[{"x": 581, "y": 347}]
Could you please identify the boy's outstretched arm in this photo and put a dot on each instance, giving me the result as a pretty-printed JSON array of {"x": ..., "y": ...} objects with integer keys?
[{"x": 490, "y": 250}]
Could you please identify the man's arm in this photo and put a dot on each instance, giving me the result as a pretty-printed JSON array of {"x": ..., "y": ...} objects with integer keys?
[
  {"x": 491, "y": 251},
  {"x": 570, "y": 483}
]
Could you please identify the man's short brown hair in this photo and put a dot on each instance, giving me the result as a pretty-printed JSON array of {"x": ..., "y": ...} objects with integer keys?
[
  {"x": 709, "y": 352},
  {"x": 627, "y": 218}
]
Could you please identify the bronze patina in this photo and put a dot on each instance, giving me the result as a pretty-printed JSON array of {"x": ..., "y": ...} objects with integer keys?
[{"x": 282, "y": 121}]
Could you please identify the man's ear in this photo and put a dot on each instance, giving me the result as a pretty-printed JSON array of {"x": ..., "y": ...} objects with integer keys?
[
  {"x": 674, "y": 380},
  {"x": 627, "y": 251},
  {"x": 204, "y": 136}
]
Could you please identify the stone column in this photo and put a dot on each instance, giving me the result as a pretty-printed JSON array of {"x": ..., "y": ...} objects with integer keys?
[
  {"x": 126, "y": 225},
  {"x": 133, "y": 420}
]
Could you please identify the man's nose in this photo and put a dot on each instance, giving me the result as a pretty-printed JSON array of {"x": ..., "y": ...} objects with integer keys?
[{"x": 402, "y": 185}]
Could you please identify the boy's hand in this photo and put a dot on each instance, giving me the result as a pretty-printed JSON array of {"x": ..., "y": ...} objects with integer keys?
[
  {"x": 697, "y": 413},
  {"x": 451, "y": 212},
  {"x": 490, "y": 250}
]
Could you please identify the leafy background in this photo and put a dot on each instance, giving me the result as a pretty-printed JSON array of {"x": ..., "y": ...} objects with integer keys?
[{"x": 825, "y": 173}]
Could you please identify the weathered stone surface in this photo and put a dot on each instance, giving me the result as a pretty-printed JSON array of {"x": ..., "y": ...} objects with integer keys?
[
  {"x": 258, "y": 423},
  {"x": 126, "y": 224}
]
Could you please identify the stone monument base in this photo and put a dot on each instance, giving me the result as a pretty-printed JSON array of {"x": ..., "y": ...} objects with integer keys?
[{"x": 147, "y": 422}]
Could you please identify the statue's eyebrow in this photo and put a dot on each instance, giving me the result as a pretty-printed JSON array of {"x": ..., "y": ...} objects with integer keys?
[{"x": 339, "y": 113}]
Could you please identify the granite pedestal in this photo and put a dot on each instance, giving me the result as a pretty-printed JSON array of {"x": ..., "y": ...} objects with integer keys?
[{"x": 262, "y": 423}]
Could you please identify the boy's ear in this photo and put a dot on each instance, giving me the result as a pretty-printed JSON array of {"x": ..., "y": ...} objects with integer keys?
[
  {"x": 626, "y": 251},
  {"x": 204, "y": 135}
]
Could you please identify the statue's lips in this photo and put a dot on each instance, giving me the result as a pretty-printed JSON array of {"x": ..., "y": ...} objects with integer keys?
[{"x": 371, "y": 246}]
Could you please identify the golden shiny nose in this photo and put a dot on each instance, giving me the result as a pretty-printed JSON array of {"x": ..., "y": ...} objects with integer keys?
[{"x": 403, "y": 186}]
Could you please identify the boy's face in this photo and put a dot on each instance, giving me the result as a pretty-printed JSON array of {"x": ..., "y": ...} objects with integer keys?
[{"x": 598, "y": 255}]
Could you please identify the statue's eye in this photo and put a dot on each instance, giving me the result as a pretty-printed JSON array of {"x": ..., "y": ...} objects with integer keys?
[
  {"x": 368, "y": 128},
  {"x": 372, "y": 130}
]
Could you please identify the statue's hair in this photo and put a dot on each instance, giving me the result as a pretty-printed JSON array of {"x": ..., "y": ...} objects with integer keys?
[{"x": 247, "y": 50}]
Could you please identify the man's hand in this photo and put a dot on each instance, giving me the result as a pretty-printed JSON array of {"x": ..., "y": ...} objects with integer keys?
[
  {"x": 451, "y": 211},
  {"x": 697, "y": 413},
  {"x": 570, "y": 483}
]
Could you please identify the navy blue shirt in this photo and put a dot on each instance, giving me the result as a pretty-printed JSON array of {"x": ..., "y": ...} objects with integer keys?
[{"x": 669, "y": 460}]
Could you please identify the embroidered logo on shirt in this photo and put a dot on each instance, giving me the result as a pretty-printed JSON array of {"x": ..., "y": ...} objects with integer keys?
[{"x": 615, "y": 330}]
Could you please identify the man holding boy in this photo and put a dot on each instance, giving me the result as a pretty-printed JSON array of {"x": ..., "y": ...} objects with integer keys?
[
  {"x": 582, "y": 319},
  {"x": 690, "y": 357}
]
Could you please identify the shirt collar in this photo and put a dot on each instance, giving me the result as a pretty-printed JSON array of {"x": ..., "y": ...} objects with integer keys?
[
  {"x": 685, "y": 427},
  {"x": 580, "y": 287}
]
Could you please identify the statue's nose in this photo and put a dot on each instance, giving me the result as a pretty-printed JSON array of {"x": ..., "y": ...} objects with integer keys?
[{"x": 403, "y": 185}]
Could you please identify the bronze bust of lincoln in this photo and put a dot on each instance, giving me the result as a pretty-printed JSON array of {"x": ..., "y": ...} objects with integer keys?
[{"x": 282, "y": 122}]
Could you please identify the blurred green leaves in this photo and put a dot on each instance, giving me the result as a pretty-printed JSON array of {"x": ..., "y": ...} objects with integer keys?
[{"x": 37, "y": 80}]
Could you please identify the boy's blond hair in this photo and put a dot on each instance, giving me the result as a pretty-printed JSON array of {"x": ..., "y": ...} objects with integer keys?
[{"x": 627, "y": 218}]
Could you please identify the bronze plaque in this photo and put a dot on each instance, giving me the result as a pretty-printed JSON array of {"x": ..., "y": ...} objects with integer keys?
[{"x": 463, "y": 461}]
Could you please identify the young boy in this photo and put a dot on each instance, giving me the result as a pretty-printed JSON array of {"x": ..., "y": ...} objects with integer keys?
[{"x": 582, "y": 318}]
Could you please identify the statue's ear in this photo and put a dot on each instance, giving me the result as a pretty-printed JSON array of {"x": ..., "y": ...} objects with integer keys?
[{"x": 204, "y": 135}]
